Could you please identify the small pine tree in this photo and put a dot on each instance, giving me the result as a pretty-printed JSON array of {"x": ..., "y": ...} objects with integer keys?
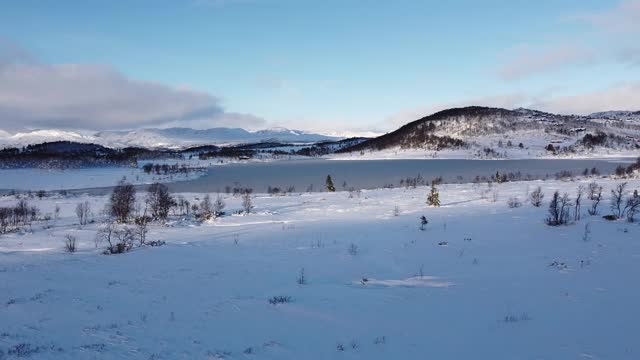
[
  {"x": 330, "y": 187},
  {"x": 434, "y": 197}
]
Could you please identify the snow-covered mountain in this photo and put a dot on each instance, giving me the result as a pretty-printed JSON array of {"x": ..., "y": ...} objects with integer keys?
[
  {"x": 40, "y": 136},
  {"x": 170, "y": 137},
  {"x": 484, "y": 132}
]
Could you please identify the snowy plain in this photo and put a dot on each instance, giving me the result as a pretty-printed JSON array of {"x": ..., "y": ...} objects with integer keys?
[{"x": 482, "y": 281}]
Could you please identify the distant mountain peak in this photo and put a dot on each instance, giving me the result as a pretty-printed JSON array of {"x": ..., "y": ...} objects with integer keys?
[{"x": 167, "y": 137}]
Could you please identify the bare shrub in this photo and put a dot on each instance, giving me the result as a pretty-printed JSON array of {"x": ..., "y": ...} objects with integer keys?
[
  {"x": 616, "y": 199},
  {"x": 119, "y": 239},
  {"x": 514, "y": 202},
  {"x": 494, "y": 195},
  {"x": 70, "y": 243},
  {"x": 353, "y": 249},
  {"x": 280, "y": 300},
  {"x": 423, "y": 222},
  {"x": 593, "y": 189},
  {"x": 586, "y": 236},
  {"x": 511, "y": 318},
  {"x": 536, "y": 196},
  {"x": 302, "y": 280}
]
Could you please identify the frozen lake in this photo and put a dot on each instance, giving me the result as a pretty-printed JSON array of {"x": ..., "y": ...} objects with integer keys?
[
  {"x": 367, "y": 174},
  {"x": 301, "y": 174}
]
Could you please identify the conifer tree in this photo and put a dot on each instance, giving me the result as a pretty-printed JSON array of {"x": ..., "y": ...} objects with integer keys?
[
  {"x": 330, "y": 187},
  {"x": 434, "y": 197}
]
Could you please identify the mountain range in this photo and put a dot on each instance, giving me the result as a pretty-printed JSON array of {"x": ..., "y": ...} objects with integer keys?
[
  {"x": 169, "y": 138},
  {"x": 479, "y": 131}
]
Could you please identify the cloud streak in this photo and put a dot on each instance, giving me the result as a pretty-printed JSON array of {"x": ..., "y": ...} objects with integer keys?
[
  {"x": 624, "y": 96},
  {"x": 613, "y": 27},
  {"x": 527, "y": 61},
  {"x": 624, "y": 18}
]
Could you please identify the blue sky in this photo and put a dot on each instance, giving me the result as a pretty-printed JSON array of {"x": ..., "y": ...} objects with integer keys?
[{"x": 331, "y": 65}]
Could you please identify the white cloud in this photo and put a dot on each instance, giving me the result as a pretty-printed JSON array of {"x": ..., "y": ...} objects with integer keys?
[
  {"x": 82, "y": 96},
  {"x": 615, "y": 28},
  {"x": 625, "y": 96}
]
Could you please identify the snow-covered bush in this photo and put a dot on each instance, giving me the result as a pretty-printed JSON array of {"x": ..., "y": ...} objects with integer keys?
[
  {"x": 119, "y": 238},
  {"x": 514, "y": 202},
  {"x": 280, "y": 300}
]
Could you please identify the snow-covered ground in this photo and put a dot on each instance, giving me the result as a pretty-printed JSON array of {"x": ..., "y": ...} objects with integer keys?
[{"x": 482, "y": 281}]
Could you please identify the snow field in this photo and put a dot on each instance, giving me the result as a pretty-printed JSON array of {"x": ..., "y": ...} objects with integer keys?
[{"x": 505, "y": 286}]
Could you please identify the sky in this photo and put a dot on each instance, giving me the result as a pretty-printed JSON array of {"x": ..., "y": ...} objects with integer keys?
[{"x": 331, "y": 66}]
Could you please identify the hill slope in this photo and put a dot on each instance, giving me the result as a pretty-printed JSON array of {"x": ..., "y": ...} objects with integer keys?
[{"x": 484, "y": 132}]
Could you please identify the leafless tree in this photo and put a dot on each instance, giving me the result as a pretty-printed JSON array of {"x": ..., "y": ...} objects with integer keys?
[
  {"x": 596, "y": 198},
  {"x": 5, "y": 219},
  {"x": 159, "y": 201},
  {"x": 247, "y": 205},
  {"x": 632, "y": 206},
  {"x": 83, "y": 210},
  {"x": 565, "y": 208},
  {"x": 142, "y": 224},
  {"x": 105, "y": 233},
  {"x": 559, "y": 208},
  {"x": 206, "y": 207},
  {"x": 577, "y": 210},
  {"x": 616, "y": 199},
  {"x": 122, "y": 201},
  {"x": 218, "y": 206}
]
